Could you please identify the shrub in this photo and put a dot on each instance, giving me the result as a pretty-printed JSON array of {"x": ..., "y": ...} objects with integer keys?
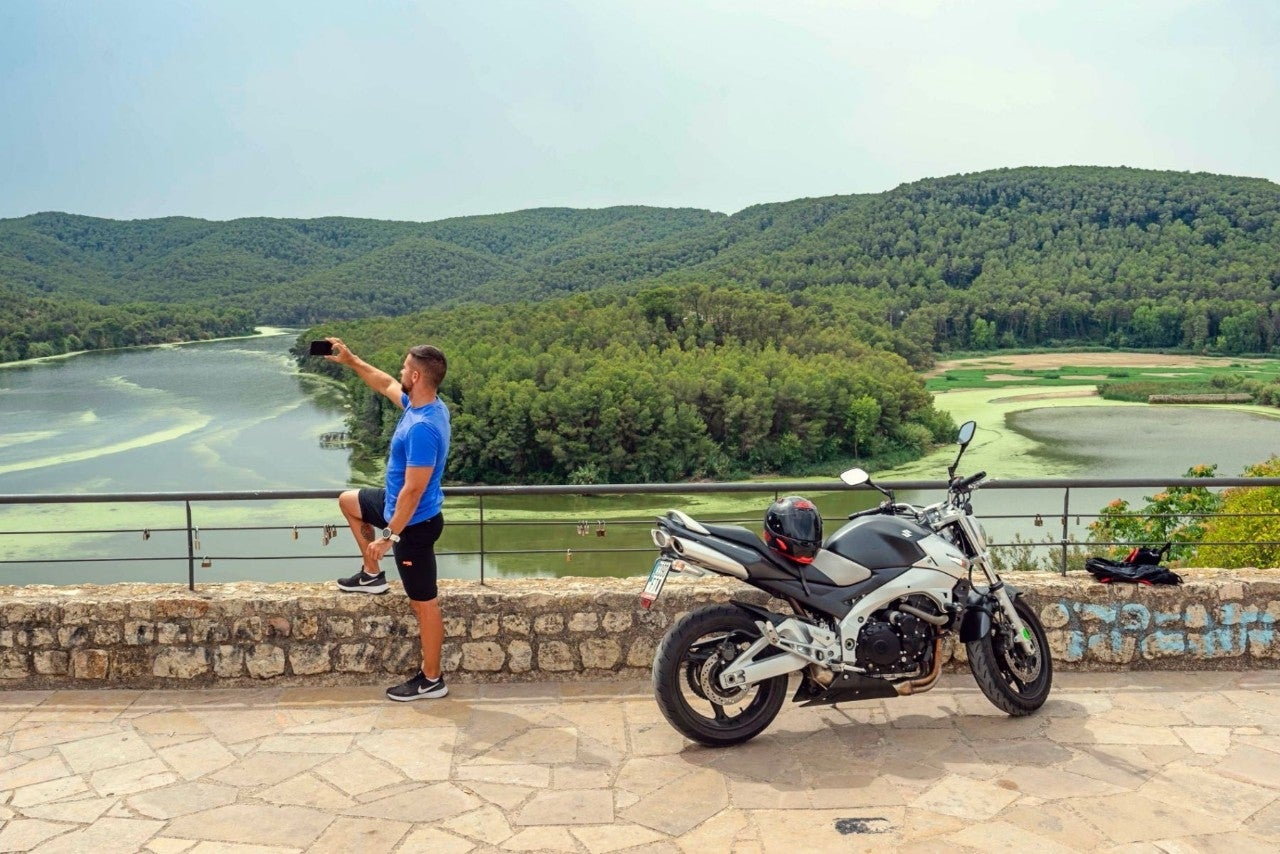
[
  {"x": 1255, "y": 533},
  {"x": 1175, "y": 516}
]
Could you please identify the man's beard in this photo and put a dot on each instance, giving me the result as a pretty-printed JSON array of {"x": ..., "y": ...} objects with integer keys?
[{"x": 407, "y": 386}]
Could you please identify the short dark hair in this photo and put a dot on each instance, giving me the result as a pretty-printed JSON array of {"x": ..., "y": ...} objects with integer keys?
[{"x": 432, "y": 362}]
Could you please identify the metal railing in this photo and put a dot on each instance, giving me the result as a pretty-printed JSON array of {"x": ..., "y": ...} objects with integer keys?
[{"x": 192, "y": 530}]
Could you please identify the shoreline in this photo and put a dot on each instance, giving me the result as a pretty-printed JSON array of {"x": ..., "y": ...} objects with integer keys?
[{"x": 259, "y": 332}]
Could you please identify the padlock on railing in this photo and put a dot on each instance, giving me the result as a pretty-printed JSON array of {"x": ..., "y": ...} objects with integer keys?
[
  {"x": 195, "y": 538},
  {"x": 206, "y": 562},
  {"x": 146, "y": 534},
  {"x": 1039, "y": 521},
  {"x": 295, "y": 532}
]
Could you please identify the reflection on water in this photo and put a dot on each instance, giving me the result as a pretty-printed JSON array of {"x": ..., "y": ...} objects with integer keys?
[{"x": 235, "y": 415}]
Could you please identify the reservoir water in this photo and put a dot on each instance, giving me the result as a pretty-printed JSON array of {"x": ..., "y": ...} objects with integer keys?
[{"x": 237, "y": 415}]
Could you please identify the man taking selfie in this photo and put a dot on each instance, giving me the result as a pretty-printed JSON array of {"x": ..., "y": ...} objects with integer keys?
[{"x": 408, "y": 511}]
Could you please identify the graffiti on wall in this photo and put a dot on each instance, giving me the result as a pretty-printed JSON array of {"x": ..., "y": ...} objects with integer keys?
[{"x": 1122, "y": 632}]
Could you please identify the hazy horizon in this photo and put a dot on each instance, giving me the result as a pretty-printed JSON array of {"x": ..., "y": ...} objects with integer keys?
[{"x": 228, "y": 109}]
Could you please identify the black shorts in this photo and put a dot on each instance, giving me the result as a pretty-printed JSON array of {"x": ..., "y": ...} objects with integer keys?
[{"x": 416, "y": 551}]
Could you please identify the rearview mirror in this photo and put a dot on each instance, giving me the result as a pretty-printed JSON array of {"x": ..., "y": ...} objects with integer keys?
[
  {"x": 967, "y": 429},
  {"x": 855, "y": 477}
]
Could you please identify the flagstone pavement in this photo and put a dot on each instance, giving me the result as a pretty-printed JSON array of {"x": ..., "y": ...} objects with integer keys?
[{"x": 1126, "y": 762}]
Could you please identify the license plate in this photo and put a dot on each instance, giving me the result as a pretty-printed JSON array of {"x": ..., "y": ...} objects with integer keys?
[{"x": 657, "y": 577}]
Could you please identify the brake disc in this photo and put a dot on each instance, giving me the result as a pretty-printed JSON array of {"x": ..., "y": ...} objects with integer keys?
[{"x": 709, "y": 682}]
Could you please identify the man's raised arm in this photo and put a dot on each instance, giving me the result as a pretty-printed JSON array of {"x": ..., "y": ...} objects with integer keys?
[{"x": 380, "y": 381}]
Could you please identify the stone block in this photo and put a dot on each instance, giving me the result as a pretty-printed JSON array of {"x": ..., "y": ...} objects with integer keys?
[
  {"x": 402, "y": 657},
  {"x": 600, "y": 653},
  {"x": 341, "y": 627},
  {"x": 73, "y": 636},
  {"x": 210, "y": 632},
  {"x": 1230, "y": 591},
  {"x": 264, "y": 660},
  {"x": 306, "y": 626},
  {"x": 35, "y": 637},
  {"x": 89, "y": 664},
  {"x": 1164, "y": 644},
  {"x": 484, "y": 626},
  {"x": 641, "y": 652},
  {"x": 555, "y": 656},
  {"x": 483, "y": 656},
  {"x": 129, "y": 663},
  {"x": 1055, "y": 616},
  {"x": 357, "y": 658},
  {"x": 309, "y": 659},
  {"x": 584, "y": 621},
  {"x": 139, "y": 633},
  {"x": 168, "y": 634},
  {"x": 617, "y": 621},
  {"x": 7, "y": 638},
  {"x": 247, "y": 629},
  {"x": 515, "y": 624},
  {"x": 455, "y": 627},
  {"x": 106, "y": 634},
  {"x": 1197, "y": 617},
  {"x": 277, "y": 628},
  {"x": 519, "y": 656},
  {"x": 548, "y": 624},
  {"x": 181, "y": 662},
  {"x": 228, "y": 661},
  {"x": 51, "y": 662},
  {"x": 450, "y": 656},
  {"x": 653, "y": 620},
  {"x": 379, "y": 626},
  {"x": 14, "y": 664},
  {"x": 185, "y": 606}
]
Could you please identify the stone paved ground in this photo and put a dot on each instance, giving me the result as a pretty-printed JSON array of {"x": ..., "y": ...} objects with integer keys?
[{"x": 1131, "y": 762}]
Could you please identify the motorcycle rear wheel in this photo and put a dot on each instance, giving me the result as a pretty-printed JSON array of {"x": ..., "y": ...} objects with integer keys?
[
  {"x": 691, "y": 655},
  {"x": 1017, "y": 683}
]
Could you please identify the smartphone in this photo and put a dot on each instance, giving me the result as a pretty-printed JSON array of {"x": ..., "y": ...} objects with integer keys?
[{"x": 321, "y": 348}]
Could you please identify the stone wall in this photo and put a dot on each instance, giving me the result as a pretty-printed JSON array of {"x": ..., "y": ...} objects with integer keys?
[{"x": 147, "y": 635}]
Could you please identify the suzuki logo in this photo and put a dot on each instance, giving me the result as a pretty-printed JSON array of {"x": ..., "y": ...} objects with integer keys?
[{"x": 906, "y": 533}]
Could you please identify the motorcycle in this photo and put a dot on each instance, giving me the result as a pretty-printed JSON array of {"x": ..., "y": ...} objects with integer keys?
[{"x": 868, "y": 616}]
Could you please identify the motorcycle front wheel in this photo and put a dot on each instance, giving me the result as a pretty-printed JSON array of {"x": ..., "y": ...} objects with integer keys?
[
  {"x": 691, "y": 656},
  {"x": 1016, "y": 681}
]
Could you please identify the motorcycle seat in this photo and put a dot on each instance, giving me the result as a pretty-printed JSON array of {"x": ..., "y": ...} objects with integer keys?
[{"x": 737, "y": 534}]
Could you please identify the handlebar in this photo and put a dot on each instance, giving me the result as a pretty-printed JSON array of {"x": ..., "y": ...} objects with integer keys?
[{"x": 965, "y": 483}]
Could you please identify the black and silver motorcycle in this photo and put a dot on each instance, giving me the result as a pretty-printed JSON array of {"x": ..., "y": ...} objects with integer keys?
[{"x": 868, "y": 615}]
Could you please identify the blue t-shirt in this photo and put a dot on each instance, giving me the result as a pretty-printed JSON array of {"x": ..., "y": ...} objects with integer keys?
[{"x": 421, "y": 439}]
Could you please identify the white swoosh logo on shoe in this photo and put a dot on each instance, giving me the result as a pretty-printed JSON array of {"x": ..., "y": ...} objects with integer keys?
[{"x": 373, "y": 579}]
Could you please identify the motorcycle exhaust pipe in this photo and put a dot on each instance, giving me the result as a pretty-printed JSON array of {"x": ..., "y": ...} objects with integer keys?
[
  {"x": 708, "y": 557},
  {"x": 924, "y": 683}
]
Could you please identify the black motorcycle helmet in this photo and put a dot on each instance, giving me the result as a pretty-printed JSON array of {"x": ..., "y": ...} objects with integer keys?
[{"x": 793, "y": 528}]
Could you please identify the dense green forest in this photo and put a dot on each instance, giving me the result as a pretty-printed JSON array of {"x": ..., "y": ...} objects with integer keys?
[
  {"x": 1008, "y": 258},
  {"x": 32, "y": 327},
  {"x": 669, "y": 384},
  {"x": 636, "y": 343}
]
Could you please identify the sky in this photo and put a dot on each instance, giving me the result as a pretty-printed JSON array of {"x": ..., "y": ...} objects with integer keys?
[{"x": 425, "y": 110}]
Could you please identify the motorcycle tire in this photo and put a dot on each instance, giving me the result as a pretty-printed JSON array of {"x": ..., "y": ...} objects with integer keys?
[
  {"x": 688, "y": 659},
  {"x": 1015, "y": 682}
]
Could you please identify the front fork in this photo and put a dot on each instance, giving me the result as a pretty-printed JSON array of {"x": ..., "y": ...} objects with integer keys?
[{"x": 1001, "y": 593}]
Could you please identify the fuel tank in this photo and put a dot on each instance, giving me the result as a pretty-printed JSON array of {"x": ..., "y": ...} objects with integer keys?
[{"x": 879, "y": 542}]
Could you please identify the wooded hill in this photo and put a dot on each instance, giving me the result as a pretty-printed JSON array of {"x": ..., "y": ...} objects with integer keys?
[
  {"x": 669, "y": 384},
  {"x": 1012, "y": 257}
]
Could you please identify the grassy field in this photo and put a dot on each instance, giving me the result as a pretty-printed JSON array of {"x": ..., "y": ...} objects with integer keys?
[{"x": 1194, "y": 375}]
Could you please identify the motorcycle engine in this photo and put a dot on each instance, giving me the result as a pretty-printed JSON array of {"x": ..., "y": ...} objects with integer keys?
[{"x": 894, "y": 642}]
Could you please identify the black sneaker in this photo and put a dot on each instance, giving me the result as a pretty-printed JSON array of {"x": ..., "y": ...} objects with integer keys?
[
  {"x": 363, "y": 582},
  {"x": 418, "y": 688}
]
